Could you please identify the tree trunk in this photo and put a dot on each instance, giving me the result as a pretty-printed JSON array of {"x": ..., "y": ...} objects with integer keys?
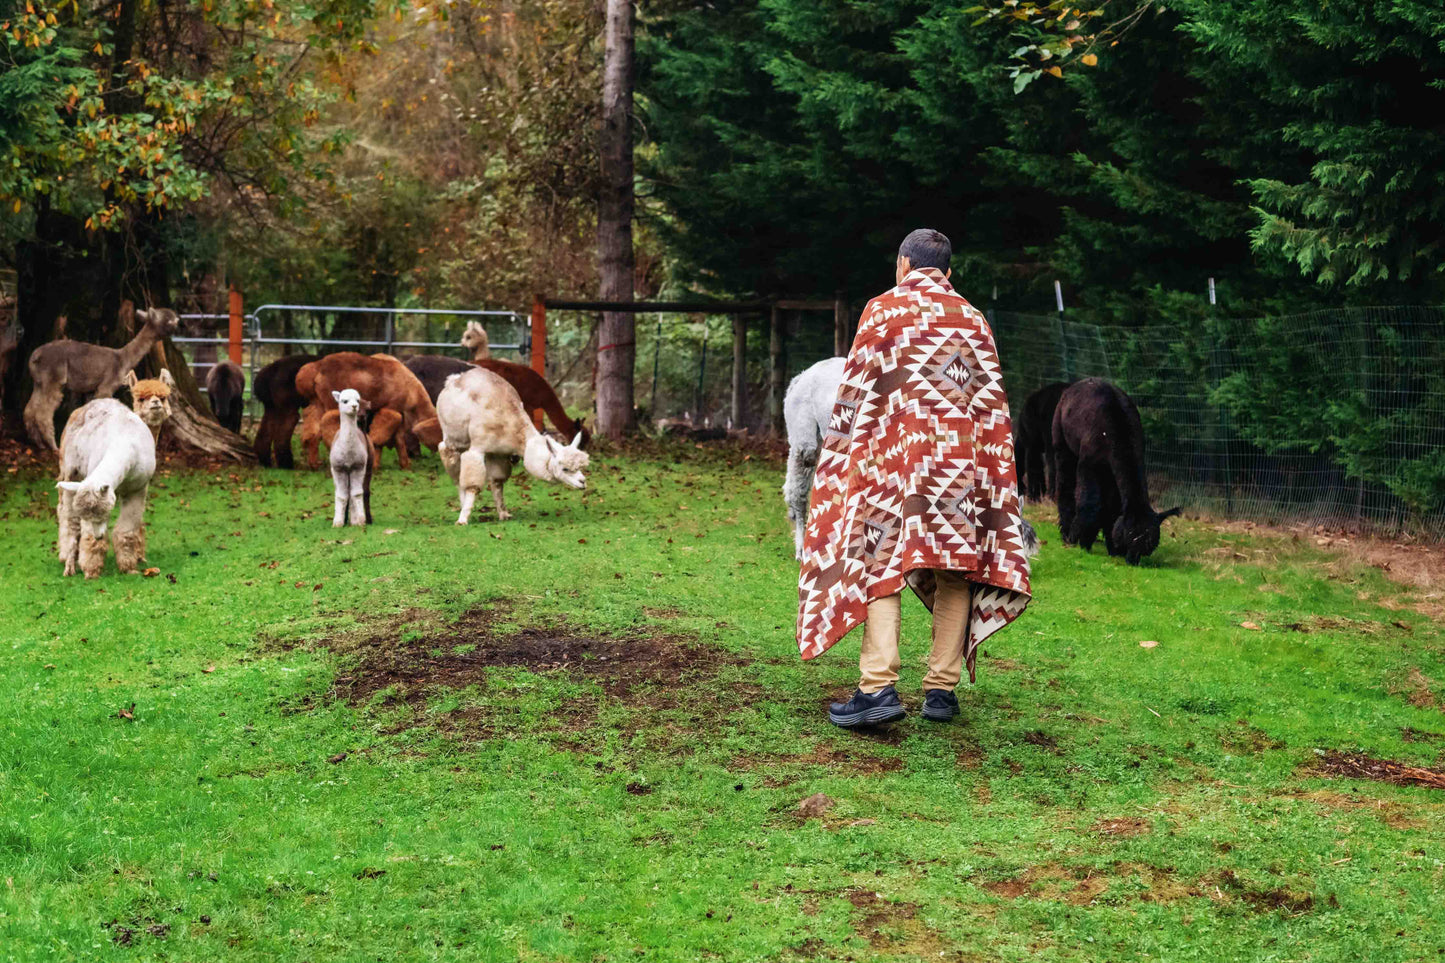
[
  {"x": 740, "y": 371},
  {"x": 841, "y": 341},
  {"x": 777, "y": 373},
  {"x": 191, "y": 422},
  {"x": 617, "y": 341}
]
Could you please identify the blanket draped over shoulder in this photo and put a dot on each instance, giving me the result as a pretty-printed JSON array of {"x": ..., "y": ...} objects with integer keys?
[{"x": 916, "y": 471}]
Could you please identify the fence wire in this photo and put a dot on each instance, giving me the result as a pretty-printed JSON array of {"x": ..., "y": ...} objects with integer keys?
[{"x": 1333, "y": 417}]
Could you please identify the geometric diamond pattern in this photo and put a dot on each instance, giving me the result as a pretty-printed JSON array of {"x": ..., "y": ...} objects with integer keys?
[{"x": 916, "y": 471}]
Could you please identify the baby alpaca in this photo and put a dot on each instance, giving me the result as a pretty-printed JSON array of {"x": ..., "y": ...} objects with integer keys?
[
  {"x": 352, "y": 458},
  {"x": 108, "y": 454},
  {"x": 485, "y": 430}
]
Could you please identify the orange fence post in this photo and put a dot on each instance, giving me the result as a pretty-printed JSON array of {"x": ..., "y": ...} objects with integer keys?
[
  {"x": 236, "y": 332},
  {"x": 539, "y": 345}
]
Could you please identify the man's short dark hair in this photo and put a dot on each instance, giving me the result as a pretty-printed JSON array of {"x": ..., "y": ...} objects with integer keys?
[{"x": 926, "y": 248}]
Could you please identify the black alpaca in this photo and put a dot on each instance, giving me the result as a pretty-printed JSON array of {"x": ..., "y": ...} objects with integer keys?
[
  {"x": 1099, "y": 450},
  {"x": 281, "y": 403},
  {"x": 224, "y": 388},
  {"x": 1034, "y": 442}
]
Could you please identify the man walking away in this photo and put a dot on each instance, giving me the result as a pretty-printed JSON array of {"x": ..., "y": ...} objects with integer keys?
[{"x": 915, "y": 484}]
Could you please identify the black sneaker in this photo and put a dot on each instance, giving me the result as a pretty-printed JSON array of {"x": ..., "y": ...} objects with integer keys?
[
  {"x": 940, "y": 705},
  {"x": 867, "y": 709}
]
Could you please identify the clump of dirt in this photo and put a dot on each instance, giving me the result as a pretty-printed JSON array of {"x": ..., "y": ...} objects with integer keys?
[
  {"x": 420, "y": 654},
  {"x": 1355, "y": 766},
  {"x": 1323, "y": 623}
]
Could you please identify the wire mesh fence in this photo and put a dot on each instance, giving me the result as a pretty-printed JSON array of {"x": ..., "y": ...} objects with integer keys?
[{"x": 1333, "y": 417}]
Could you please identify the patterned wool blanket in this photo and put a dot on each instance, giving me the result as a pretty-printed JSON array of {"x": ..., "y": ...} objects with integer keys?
[{"x": 916, "y": 471}]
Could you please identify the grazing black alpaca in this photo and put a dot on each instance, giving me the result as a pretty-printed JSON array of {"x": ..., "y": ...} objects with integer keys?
[
  {"x": 281, "y": 404},
  {"x": 1099, "y": 455},
  {"x": 1034, "y": 442}
]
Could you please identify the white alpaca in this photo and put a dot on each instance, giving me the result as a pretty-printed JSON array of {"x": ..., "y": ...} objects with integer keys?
[
  {"x": 807, "y": 406},
  {"x": 352, "y": 458},
  {"x": 485, "y": 430},
  {"x": 108, "y": 454}
]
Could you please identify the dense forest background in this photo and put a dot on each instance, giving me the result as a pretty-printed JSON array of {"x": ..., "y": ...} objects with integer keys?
[{"x": 373, "y": 152}]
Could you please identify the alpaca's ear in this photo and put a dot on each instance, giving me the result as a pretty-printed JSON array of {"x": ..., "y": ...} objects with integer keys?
[
  {"x": 130, "y": 379},
  {"x": 1170, "y": 514},
  {"x": 553, "y": 445},
  {"x": 166, "y": 377},
  {"x": 68, "y": 486},
  {"x": 337, "y": 396},
  {"x": 576, "y": 440},
  {"x": 142, "y": 315}
]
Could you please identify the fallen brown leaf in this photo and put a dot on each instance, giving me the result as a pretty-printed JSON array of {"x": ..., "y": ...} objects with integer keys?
[
  {"x": 151, "y": 572},
  {"x": 1249, "y": 625},
  {"x": 1149, "y": 644},
  {"x": 127, "y": 713}
]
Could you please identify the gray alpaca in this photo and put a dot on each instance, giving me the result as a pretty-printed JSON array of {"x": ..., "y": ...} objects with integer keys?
[
  {"x": 807, "y": 406},
  {"x": 352, "y": 459},
  {"x": 86, "y": 369}
]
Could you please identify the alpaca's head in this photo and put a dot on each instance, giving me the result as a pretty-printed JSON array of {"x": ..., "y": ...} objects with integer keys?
[
  {"x": 163, "y": 322},
  {"x": 547, "y": 458},
  {"x": 1139, "y": 536},
  {"x": 92, "y": 504},
  {"x": 151, "y": 398},
  {"x": 348, "y": 401},
  {"x": 474, "y": 337}
]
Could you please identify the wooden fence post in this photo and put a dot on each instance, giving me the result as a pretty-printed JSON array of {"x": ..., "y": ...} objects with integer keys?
[
  {"x": 777, "y": 372},
  {"x": 237, "y": 328},
  {"x": 740, "y": 369}
]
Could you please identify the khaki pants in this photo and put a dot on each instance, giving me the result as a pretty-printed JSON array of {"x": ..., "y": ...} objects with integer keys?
[{"x": 878, "y": 662}]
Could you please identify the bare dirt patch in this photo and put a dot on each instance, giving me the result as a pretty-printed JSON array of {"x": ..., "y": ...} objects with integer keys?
[
  {"x": 412, "y": 658},
  {"x": 1352, "y": 766}
]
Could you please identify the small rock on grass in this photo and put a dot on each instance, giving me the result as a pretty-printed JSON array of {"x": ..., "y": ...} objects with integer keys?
[{"x": 815, "y": 806}]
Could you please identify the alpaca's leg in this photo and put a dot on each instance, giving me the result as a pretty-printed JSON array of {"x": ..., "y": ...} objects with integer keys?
[
  {"x": 472, "y": 475},
  {"x": 357, "y": 510},
  {"x": 342, "y": 486},
  {"x": 281, "y": 431},
  {"x": 797, "y": 486},
  {"x": 1089, "y": 505},
  {"x": 262, "y": 445},
  {"x": 40, "y": 413},
  {"x": 311, "y": 435},
  {"x": 1109, "y": 511},
  {"x": 92, "y": 554},
  {"x": 129, "y": 536},
  {"x": 69, "y": 548},
  {"x": 499, "y": 469},
  {"x": 1037, "y": 482},
  {"x": 1067, "y": 465}
]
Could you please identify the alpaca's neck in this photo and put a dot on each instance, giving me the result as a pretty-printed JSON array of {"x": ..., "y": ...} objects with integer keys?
[
  {"x": 134, "y": 350},
  {"x": 481, "y": 352},
  {"x": 537, "y": 457}
]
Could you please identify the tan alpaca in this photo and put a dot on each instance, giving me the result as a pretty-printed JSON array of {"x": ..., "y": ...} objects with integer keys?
[
  {"x": 475, "y": 340},
  {"x": 485, "y": 430},
  {"x": 108, "y": 455},
  {"x": 86, "y": 369}
]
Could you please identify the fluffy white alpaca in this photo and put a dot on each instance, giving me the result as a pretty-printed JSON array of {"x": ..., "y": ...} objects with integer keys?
[
  {"x": 807, "y": 406},
  {"x": 108, "y": 455},
  {"x": 352, "y": 459},
  {"x": 485, "y": 430}
]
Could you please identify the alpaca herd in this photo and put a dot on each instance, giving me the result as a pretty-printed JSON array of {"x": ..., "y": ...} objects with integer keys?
[{"x": 1080, "y": 443}]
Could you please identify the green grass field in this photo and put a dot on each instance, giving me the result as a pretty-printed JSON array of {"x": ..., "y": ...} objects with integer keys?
[{"x": 583, "y": 734}]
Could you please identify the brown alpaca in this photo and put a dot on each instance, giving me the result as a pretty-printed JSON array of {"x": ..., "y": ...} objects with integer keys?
[
  {"x": 86, "y": 369},
  {"x": 281, "y": 404},
  {"x": 382, "y": 382}
]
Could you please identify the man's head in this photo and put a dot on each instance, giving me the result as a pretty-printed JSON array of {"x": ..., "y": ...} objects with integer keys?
[{"x": 924, "y": 248}]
